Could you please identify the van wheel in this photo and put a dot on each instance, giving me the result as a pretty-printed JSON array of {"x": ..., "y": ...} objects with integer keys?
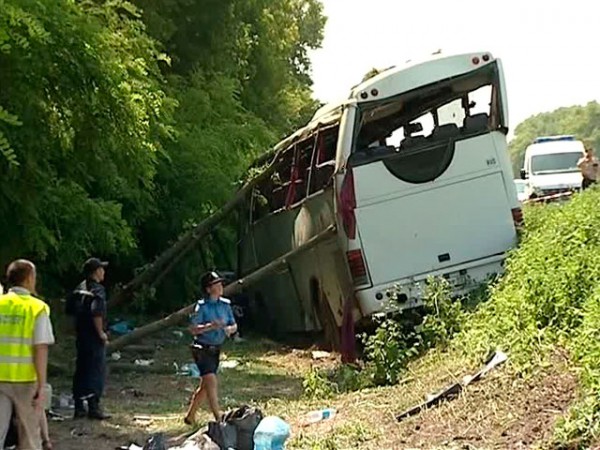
[{"x": 326, "y": 318}]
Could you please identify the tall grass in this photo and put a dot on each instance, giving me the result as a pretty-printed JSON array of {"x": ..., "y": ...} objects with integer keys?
[{"x": 550, "y": 299}]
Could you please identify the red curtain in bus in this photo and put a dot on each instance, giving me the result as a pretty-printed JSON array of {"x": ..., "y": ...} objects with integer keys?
[
  {"x": 348, "y": 204},
  {"x": 294, "y": 176}
]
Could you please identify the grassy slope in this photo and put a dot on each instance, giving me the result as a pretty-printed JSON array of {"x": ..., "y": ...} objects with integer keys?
[{"x": 545, "y": 313}]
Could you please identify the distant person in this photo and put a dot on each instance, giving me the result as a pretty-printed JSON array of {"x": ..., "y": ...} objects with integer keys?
[
  {"x": 87, "y": 303},
  {"x": 25, "y": 323},
  {"x": 588, "y": 165},
  {"x": 212, "y": 322}
]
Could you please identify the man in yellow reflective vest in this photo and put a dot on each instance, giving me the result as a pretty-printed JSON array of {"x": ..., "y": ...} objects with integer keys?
[{"x": 25, "y": 334}]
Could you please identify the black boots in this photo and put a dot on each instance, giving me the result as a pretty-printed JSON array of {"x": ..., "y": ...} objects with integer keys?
[
  {"x": 80, "y": 411},
  {"x": 95, "y": 411}
]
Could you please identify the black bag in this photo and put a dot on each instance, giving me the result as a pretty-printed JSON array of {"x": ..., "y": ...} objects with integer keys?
[
  {"x": 236, "y": 428},
  {"x": 156, "y": 442}
]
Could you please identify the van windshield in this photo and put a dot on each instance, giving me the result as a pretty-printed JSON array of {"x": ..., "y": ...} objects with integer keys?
[{"x": 555, "y": 163}]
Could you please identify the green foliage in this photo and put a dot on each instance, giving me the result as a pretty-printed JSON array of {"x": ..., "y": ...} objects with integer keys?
[
  {"x": 317, "y": 385},
  {"x": 395, "y": 342},
  {"x": 445, "y": 315},
  {"x": 7, "y": 119},
  {"x": 123, "y": 125},
  {"x": 581, "y": 121},
  {"x": 263, "y": 44},
  {"x": 388, "y": 351},
  {"x": 80, "y": 159}
]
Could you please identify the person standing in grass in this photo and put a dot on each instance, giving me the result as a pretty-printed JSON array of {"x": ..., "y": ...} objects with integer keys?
[
  {"x": 25, "y": 334},
  {"x": 589, "y": 167},
  {"x": 87, "y": 304},
  {"x": 211, "y": 323}
]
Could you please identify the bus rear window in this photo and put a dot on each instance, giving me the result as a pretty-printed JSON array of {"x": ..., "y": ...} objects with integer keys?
[{"x": 417, "y": 129}]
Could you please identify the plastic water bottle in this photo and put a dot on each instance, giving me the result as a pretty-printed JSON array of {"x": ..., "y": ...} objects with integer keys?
[
  {"x": 48, "y": 394},
  {"x": 271, "y": 434},
  {"x": 322, "y": 414}
]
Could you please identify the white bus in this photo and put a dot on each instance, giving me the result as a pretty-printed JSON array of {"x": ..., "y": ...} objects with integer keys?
[{"x": 414, "y": 172}]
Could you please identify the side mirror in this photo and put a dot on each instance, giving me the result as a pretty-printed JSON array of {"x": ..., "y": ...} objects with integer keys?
[{"x": 523, "y": 174}]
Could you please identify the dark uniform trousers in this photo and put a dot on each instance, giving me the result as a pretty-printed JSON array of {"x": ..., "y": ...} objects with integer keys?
[{"x": 90, "y": 369}]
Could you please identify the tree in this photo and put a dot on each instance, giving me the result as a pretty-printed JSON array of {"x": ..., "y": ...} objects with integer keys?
[
  {"x": 581, "y": 121},
  {"x": 82, "y": 115},
  {"x": 263, "y": 44},
  {"x": 122, "y": 126}
]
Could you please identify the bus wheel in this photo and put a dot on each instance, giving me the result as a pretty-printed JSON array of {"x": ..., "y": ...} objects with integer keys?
[
  {"x": 260, "y": 315},
  {"x": 327, "y": 319}
]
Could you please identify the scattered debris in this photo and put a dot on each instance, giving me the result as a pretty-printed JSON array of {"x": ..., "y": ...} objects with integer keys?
[
  {"x": 132, "y": 392},
  {"x": 452, "y": 391},
  {"x": 116, "y": 356},
  {"x": 187, "y": 370},
  {"x": 319, "y": 415},
  {"x": 271, "y": 433},
  {"x": 63, "y": 401},
  {"x": 319, "y": 354},
  {"x": 178, "y": 333},
  {"x": 144, "y": 362},
  {"x": 142, "y": 418},
  {"x": 54, "y": 416},
  {"x": 78, "y": 432},
  {"x": 121, "y": 328},
  {"x": 230, "y": 364}
]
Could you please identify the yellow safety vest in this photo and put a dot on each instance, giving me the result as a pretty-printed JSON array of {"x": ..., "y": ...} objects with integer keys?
[{"x": 18, "y": 314}]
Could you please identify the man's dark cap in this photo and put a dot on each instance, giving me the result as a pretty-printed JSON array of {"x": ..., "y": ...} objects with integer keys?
[
  {"x": 93, "y": 264},
  {"x": 210, "y": 278}
]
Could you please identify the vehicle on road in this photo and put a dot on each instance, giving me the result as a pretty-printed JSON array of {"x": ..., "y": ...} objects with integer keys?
[
  {"x": 550, "y": 166},
  {"x": 413, "y": 171}
]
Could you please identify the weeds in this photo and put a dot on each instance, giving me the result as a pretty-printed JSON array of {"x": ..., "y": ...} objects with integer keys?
[
  {"x": 550, "y": 298},
  {"x": 393, "y": 345},
  {"x": 317, "y": 385}
]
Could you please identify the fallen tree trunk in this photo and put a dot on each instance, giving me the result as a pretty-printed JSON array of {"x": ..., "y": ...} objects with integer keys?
[
  {"x": 188, "y": 241},
  {"x": 232, "y": 288}
]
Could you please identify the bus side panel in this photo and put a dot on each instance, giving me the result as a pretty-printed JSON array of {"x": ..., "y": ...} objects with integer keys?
[
  {"x": 499, "y": 142},
  {"x": 287, "y": 295}
]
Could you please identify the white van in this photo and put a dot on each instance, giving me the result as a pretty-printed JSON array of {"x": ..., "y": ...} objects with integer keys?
[{"x": 550, "y": 166}]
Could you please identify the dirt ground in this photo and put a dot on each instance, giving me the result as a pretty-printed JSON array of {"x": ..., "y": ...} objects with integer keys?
[{"x": 501, "y": 411}]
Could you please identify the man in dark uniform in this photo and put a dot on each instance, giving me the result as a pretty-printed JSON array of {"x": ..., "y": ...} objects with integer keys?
[
  {"x": 211, "y": 323},
  {"x": 89, "y": 309}
]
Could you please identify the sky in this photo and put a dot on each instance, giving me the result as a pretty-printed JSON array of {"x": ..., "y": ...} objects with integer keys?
[{"x": 550, "y": 49}]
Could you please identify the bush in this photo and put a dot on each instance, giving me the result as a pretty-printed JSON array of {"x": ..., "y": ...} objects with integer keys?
[
  {"x": 388, "y": 351},
  {"x": 550, "y": 297},
  {"x": 393, "y": 345},
  {"x": 317, "y": 385},
  {"x": 444, "y": 314}
]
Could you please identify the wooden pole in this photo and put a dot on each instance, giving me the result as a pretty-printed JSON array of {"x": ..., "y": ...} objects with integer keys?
[
  {"x": 189, "y": 239},
  {"x": 232, "y": 288}
]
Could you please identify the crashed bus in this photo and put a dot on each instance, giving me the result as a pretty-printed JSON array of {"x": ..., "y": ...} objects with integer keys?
[{"x": 413, "y": 173}]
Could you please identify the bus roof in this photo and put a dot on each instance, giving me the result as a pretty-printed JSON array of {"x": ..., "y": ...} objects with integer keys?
[
  {"x": 554, "y": 146},
  {"x": 412, "y": 75},
  {"x": 388, "y": 83}
]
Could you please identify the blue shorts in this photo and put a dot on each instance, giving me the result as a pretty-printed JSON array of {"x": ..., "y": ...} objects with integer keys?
[{"x": 207, "y": 358}]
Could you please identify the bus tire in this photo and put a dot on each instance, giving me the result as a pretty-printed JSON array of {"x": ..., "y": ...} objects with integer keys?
[{"x": 326, "y": 318}]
